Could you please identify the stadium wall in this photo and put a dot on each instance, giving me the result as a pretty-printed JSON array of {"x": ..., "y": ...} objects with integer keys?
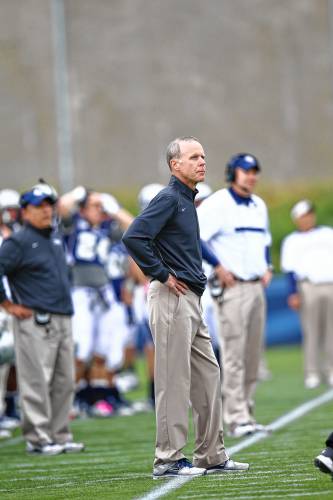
[{"x": 239, "y": 75}]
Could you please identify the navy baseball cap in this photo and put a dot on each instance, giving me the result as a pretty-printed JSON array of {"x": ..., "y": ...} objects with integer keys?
[
  {"x": 37, "y": 194},
  {"x": 246, "y": 161}
]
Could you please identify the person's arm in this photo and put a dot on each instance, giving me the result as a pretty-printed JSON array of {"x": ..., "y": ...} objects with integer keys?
[
  {"x": 294, "y": 299},
  {"x": 69, "y": 202},
  {"x": 135, "y": 273},
  {"x": 208, "y": 255},
  {"x": 289, "y": 253},
  {"x": 267, "y": 277},
  {"x": 139, "y": 237},
  {"x": 17, "y": 310},
  {"x": 225, "y": 277},
  {"x": 112, "y": 208},
  {"x": 10, "y": 257}
]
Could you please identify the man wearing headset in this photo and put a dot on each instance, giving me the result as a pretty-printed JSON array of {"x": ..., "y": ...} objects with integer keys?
[{"x": 234, "y": 223}]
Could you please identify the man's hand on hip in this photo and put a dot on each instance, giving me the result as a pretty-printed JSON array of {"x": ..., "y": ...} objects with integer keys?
[
  {"x": 176, "y": 286},
  {"x": 226, "y": 277},
  {"x": 17, "y": 310}
]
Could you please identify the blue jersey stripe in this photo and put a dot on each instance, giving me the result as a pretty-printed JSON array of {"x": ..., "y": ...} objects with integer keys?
[{"x": 252, "y": 229}]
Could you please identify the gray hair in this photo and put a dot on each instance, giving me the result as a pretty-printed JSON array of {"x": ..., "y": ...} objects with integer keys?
[{"x": 173, "y": 150}]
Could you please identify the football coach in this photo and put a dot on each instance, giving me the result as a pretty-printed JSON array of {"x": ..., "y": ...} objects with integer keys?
[
  {"x": 165, "y": 243},
  {"x": 34, "y": 264}
]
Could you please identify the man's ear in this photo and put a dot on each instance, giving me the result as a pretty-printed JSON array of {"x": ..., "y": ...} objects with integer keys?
[{"x": 174, "y": 164}]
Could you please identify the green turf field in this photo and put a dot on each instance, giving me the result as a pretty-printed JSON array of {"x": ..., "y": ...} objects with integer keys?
[{"x": 118, "y": 459}]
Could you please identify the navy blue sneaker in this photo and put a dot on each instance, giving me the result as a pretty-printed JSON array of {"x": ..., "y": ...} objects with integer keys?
[{"x": 180, "y": 468}]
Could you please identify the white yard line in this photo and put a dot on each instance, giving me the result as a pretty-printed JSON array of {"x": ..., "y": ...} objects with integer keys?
[{"x": 286, "y": 419}]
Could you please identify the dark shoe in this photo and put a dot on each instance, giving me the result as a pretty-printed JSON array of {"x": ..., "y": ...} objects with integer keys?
[
  {"x": 180, "y": 468},
  {"x": 228, "y": 466},
  {"x": 324, "y": 461}
]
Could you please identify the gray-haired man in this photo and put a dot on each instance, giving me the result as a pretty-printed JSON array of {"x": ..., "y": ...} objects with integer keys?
[{"x": 164, "y": 241}]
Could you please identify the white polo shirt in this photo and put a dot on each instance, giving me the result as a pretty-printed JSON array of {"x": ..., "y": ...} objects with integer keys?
[
  {"x": 309, "y": 255},
  {"x": 237, "y": 233}
]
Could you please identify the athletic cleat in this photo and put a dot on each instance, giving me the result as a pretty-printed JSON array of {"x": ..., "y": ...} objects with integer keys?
[
  {"x": 228, "y": 466},
  {"x": 180, "y": 468},
  {"x": 48, "y": 449},
  {"x": 242, "y": 430},
  {"x": 4, "y": 434},
  {"x": 71, "y": 447},
  {"x": 9, "y": 424},
  {"x": 143, "y": 406},
  {"x": 121, "y": 406},
  {"x": 247, "y": 429},
  {"x": 261, "y": 428},
  {"x": 126, "y": 381},
  {"x": 312, "y": 381},
  {"x": 324, "y": 461},
  {"x": 125, "y": 411}
]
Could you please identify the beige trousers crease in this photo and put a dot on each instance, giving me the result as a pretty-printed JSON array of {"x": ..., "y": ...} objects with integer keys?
[
  {"x": 317, "y": 325},
  {"x": 186, "y": 372},
  {"x": 4, "y": 370},
  {"x": 241, "y": 326},
  {"x": 45, "y": 367}
]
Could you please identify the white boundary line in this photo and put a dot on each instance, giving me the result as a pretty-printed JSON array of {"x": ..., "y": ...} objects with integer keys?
[{"x": 286, "y": 419}]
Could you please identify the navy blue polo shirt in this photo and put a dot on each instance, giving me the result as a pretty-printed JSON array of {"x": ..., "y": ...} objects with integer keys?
[
  {"x": 164, "y": 239},
  {"x": 34, "y": 262}
]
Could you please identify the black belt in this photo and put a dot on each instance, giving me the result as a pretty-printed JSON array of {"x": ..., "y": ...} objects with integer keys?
[{"x": 240, "y": 280}]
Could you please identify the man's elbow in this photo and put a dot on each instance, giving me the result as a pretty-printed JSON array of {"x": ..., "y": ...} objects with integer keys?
[
  {"x": 125, "y": 239},
  {"x": 128, "y": 240}
]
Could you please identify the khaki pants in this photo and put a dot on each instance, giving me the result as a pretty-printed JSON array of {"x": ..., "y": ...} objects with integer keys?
[
  {"x": 186, "y": 371},
  {"x": 317, "y": 325},
  {"x": 4, "y": 370},
  {"x": 241, "y": 321},
  {"x": 45, "y": 367}
]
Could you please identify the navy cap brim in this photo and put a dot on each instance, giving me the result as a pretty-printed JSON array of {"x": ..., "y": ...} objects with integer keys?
[
  {"x": 248, "y": 167},
  {"x": 38, "y": 200},
  {"x": 30, "y": 198}
]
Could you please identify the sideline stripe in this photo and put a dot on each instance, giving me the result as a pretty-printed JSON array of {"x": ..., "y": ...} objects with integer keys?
[{"x": 300, "y": 411}]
